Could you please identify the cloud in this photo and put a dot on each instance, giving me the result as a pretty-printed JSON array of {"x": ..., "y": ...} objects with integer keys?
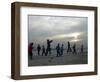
[
  {"x": 41, "y": 28},
  {"x": 71, "y": 35}
]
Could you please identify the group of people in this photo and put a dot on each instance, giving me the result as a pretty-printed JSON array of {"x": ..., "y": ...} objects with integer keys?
[
  {"x": 45, "y": 51},
  {"x": 70, "y": 49},
  {"x": 59, "y": 49}
]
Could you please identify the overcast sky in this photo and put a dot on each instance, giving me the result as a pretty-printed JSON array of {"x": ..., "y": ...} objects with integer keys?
[{"x": 60, "y": 29}]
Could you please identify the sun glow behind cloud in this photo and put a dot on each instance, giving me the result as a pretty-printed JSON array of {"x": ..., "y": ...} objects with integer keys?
[
  {"x": 73, "y": 35},
  {"x": 76, "y": 40}
]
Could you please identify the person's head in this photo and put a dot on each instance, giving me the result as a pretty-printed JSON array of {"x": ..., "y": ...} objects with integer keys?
[{"x": 31, "y": 43}]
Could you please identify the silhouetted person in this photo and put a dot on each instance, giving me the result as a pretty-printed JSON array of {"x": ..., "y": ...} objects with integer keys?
[
  {"x": 30, "y": 48},
  {"x": 74, "y": 49},
  {"x": 82, "y": 48},
  {"x": 38, "y": 49},
  {"x": 48, "y": 46},
  {"x": 69, "y": 48},
  {"x": 58, "y": 49},
  {"x": 61, "y": 50},
  {"x": 43, "y": 50}
]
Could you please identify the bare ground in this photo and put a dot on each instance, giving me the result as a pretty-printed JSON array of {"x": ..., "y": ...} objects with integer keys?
[{"x": 66, "y": 59}]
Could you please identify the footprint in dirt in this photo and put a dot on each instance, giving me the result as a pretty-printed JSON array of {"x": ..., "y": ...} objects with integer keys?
[{"x": 50, "y": 59}]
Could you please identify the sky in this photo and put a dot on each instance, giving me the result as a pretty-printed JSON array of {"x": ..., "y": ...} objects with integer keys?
[{"x": 60, "y": 29}]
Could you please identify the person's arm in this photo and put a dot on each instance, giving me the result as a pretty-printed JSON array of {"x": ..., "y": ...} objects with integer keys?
[
  {"x": 32, "y": 47},
  {"x": 51, "y": 41}
]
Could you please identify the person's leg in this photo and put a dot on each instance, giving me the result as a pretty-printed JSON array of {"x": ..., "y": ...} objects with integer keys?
[
  {"x": 42, "y": 53},
  {"x": 28, "y": 56},
  {"x": 67, "y": 50},
  {"x": 73, "y": 51},
  {"x": 46, "y": 52},
  {"x": 50, "y": 50},
  {"x": 70, "y": 50},
  {"x": 61, "y": 53},
  {"x": 31, "y": 56},
  {"x": 39, "y": 52},
  {"x": 57, "y": 54}
]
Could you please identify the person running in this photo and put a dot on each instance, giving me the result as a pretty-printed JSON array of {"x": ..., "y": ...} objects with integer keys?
[
  {"x": 74, "y": 49},
  {"x": 61, "y": 51},
  {"x": 69, "y": 48},
  {"x": 38, "y": 49},
  {"x": 48, "y": 50},
  {"x": 58, "y": 50},
  {"x": 43, "y": 50},
  {"x": 30, "y": 48}
]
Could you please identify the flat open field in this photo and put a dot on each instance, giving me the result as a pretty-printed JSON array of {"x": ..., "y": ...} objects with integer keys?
[{"x": 65, "y": 59}]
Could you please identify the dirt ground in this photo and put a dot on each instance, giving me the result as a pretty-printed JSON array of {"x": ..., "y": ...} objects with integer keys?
[{"x": 65, "y": 59}]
